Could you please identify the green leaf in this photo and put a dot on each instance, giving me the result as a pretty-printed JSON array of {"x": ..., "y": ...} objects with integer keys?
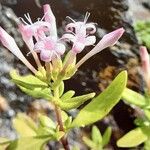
[
  {"x": 58, "y": 135},
  {"x": 61, "y": 89},
  {"x": 32, "y": 86},
  {"x": 142, "y": 29},
  {"x": 106, "y": 136},
  {"x": 45, "y": 121},
  {"x": 45, "y": 131},
  {"x": 74, "y": 102},
  {"x": 64, "y": 116},
  {"x": 57, "y": 64},
  {"x": 39, "y": 92},
  {"x": 100, "y": 106},
  {"x": 4, "y": 146},
  {"x": 134, "y": 97},
  {"x": 147, "y": 144},
  {"x": 68, "y": 122},
  {"x": 133, "y": 138},
  {"x": 41, "y": 74},
  {"x": 67, "y": 56},
  {"x": 68, "y": 95},
  {"x": 75, "y": 147},
  {"x": 147, "y": 113},
  {"x": 70, "y": 71},
  {"x": 29, "y": 143},
  {"x": 28, "y": 81},
  {"x": 96, "y": 136},
  {"x": 89, "y": 143},
  {"x": 4, "y": 142},
  {"x": 24, "y": 125}
]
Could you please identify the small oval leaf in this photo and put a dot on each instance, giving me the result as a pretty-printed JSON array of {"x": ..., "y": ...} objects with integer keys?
[
  {"x": 134, "y": 98},
  {"x": 96, "y": 136},
  {"x": 106, "y": 136},
  {"x": 133, "y": 138},
  {"x": 102, "y": 104},
  {"x": 75, "y": 102}
]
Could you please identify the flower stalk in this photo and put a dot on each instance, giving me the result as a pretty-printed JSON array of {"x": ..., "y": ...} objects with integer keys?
[{"x": 64, "y": 140}]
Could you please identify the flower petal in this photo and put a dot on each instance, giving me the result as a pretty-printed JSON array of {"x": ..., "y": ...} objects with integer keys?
[
  {"x": 46, "y": 55},
  {"x": 60, "y": 48},
  {"x": 27, "y": 36},
  {"x": 78, "y": 47},
  {"x": 90, "y": 27},
  {"x": 11, "y": 45},
  {"x": 68, "y": 37},
  {"x": 70, "y": 27},
  {"x": 90, "y": 40},
  {"x": 39, "y": 46},
  {"x": 49, "y": 17}
]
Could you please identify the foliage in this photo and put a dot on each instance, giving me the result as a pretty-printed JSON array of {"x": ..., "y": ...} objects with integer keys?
[
  {"x": 142, "y": 29},
  {"x": 46, "y": 130},
  {"x": 103, "y": 103},
  {"x": 140, "y": 134},
  {"x": 97, "y": 141},
  {"x": 47, "y": 81}
]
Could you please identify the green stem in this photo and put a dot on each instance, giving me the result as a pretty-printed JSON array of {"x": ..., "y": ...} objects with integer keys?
[{"x": 64, "y": 140}]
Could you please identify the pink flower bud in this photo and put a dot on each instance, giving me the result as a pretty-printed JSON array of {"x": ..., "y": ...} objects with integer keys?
[
  {"x": 108, "y": 40},
  {"x": 11, "y": 45},
  {"x": 111, "y": 38},
  {"x": 50, "y": 18},
  {"x": 145, "y": 64}
]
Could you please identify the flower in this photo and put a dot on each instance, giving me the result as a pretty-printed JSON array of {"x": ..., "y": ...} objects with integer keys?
[
  {"x": 37, "y": 29},
  {"x": 48, "y": 44},
  {"x": 11, "y": 45},
  {"x": 79, "y": 34},
  {"x": 29, "y": 30},
  {"x": 108, "y": 40},
  {"x": 49, "y": 48},
  {"x": 45, "y": 33}
]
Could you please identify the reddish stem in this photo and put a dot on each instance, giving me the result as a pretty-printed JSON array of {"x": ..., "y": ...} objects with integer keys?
[{"x": 64, "y": 140}]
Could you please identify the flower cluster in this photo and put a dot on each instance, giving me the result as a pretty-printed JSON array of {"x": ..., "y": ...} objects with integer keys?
[{"x": 41, "y": 37}]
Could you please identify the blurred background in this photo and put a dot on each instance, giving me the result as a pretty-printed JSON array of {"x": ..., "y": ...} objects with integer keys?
[{"x": 95, "y": 75}]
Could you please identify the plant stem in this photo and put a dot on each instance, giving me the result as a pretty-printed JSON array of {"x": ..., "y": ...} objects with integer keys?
[{"x": 64, "y": 140}]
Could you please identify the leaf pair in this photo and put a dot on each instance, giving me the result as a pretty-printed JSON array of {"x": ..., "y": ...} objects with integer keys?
[
  {"x": 32, "y": 85},
  {"x": 140, "y": 134},
  {"x": 100, "y": 106},
  {"x": 32, "y": 136},
  {"x": 97, "y": 141},
  {"x": 67, "y": 102}
]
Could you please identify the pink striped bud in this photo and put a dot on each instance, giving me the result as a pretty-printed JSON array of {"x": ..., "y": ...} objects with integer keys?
[
  {"x": 145, "y": 64},
  {"x": 11, "y": 45}
]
